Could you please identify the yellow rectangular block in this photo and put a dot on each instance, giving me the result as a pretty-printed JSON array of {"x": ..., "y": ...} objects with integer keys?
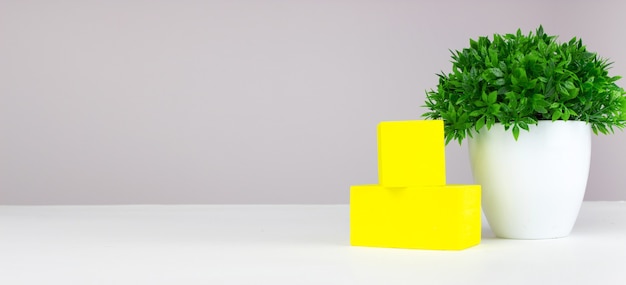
[
  {"x": 437, "y": 217},
  {"x": 411, "y": 153}
]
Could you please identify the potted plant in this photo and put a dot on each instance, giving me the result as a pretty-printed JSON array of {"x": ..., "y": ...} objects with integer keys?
[{"x": 527, "y": 105}]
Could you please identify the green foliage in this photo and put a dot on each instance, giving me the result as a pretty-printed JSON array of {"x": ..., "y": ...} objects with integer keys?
[{"x": 518, "y": 80}]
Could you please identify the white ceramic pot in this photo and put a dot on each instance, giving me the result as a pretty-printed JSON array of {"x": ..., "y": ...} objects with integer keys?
[{"x": 532, "y": 188}]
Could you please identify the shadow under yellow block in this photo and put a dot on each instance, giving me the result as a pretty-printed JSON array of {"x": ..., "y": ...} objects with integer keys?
[{"x": 419, "y": 217}]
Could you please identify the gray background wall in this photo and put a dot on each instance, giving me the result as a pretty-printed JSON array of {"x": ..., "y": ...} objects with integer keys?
[{"x": 270, "y": 101}]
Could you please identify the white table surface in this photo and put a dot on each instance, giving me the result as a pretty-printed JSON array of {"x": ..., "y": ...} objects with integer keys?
[{"x": 288, "y": 244}]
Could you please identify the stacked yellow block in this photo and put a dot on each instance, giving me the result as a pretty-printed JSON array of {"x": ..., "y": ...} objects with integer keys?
[{"x": 412, "y": 207}]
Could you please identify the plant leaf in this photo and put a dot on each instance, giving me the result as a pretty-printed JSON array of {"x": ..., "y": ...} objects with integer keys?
[
  {"x": 493, "y": 96},
  {"x": 496, "y": 71},
  {"x": 480, "y": 123},
  {"x": 565, "y": 115},
  {"x": 515, "y": 132},
  {"x": 524, "y": 126},
  {"x": 556, "y": 115}
]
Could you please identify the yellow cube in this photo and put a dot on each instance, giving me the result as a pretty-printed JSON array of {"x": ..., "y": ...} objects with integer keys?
[
  {"x": 419, "y": 217},
  {"x": 411, "y": 153}
]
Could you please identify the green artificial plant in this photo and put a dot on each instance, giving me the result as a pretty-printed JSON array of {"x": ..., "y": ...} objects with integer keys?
[{"x": 518, "y": 80}]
